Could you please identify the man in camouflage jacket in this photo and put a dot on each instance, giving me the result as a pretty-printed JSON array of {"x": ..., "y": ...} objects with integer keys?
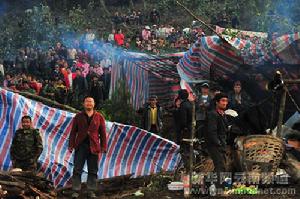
[{"x": 26, "y": 146}]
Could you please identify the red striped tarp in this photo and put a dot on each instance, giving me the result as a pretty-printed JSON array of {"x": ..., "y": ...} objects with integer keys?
[
  {"x": 213, "y": 54},
  {"x": 147, "y": 75}
]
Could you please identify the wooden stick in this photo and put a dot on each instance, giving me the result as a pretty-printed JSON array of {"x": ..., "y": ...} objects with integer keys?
[
  {"x": 193, "y": 15},
  {"x": 16, "y": 184},
  {"x": 38, "y": 192}
]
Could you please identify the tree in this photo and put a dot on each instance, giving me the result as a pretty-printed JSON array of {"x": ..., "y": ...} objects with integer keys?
[{"x": 104, "y": 8}]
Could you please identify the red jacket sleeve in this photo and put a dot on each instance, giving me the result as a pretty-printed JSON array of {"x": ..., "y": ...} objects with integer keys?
[
  {"x": 73, "y": 133},
  {"x": 102, "y": 134}
]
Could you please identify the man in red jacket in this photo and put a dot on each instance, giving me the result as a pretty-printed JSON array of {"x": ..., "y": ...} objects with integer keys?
[{"x": 88, "y": 128}]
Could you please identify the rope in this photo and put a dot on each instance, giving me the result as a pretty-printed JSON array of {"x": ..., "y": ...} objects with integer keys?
[{"x": 293, "y": 100}]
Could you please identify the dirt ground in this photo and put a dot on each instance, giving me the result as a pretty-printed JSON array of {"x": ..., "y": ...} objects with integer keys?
[{"x": 125, "y": 188}]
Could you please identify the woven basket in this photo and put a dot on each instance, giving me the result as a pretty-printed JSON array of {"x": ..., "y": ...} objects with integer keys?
[{"x": 262, "y": 153}]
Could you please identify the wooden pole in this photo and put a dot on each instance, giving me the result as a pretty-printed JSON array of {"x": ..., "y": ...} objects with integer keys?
[
  {"x": 291, "y": 81},
  {"x": 281, "y": 112},
  {"x": 192, "y": 146},
  {"x": 193, "y": 15},
  {"x": 282, "y": 104}
]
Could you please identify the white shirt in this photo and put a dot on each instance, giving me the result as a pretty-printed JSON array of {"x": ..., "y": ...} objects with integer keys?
[
  {"x": 70, "y": 79},
  {"x": 90, "y": 36},
  {"x": 72, "y": 53},
  {"x": 110, "y": 37},
  {"x": 2, "y": 69},
  {"x": 105, "y": 63}
]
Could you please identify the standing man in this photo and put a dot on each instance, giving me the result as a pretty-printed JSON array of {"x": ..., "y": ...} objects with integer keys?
[
  {"x": 96, "y": 90},
  {"x": 26, "y": 146},
  {"x": 88, "y": 128},
  {"x": 202, "y": 106},
  {"x": 152, "y": 117},
  {"x": 216, "y": 130},
  {"x": 80, "y": 87},
  {"x": 186, "y": 122}
]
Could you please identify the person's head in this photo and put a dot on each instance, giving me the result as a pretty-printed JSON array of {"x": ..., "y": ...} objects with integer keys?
[
  {"x": 60, "y": 81},
  {"x": 88, "y": 103},
  {"x": 78, "y": 72},
  {"x": 204, "y": 89},
  {"x": 221, "y": 100},
  {"x": 56, "y": 67},
  {"x": 69, "y": 71},
  {"x": 120, "y": 31},
  {"x": 8, "y": 77},
  {"x": 25, "y": 85},
  {"x": 237, "y": 87},
  {"x": 113, "y": 31},
  {"x": 58, "y": 44},
  {"x": 153, "y": 101},
  {"x": 177, "y": 102},
  {"x": 26, "y": 122},
  {"x": 183, "y": 94}
]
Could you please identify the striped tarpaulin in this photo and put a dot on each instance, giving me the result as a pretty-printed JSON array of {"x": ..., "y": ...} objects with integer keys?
[
  {"x": 146, "y": 75},
  {"x": 208, "y": 53},
  {"x": 166, "y": 91},
  {"x": 130, "y": 149},
  {"x": 287, "y": 48},
  {"x": 213, "y": 54}
]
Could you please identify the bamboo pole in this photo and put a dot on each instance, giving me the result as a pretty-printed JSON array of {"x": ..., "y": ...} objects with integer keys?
[
  {"x": 282, "y": 104},
  {"x": 192, "y": 147},
  {"x": 197, "y": 18},
  {"x": 281, "y": 112}
]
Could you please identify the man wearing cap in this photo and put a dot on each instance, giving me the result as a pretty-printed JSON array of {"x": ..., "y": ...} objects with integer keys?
[
  {"x": 216, "y": 130},
  {"x": 202, "y": 106},
  {"x": 152, "y": 116},
  {"x": 238, "y": 99}
]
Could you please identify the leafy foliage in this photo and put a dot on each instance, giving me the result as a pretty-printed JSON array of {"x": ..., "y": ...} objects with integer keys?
[{"x": 119, "y": 108}]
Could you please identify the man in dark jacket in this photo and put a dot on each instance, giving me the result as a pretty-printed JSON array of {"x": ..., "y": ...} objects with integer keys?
[
  {"x": 96, "y": 90},
  {"x": 202, "y": 105},
  {"x": 186, "y": 121},
  {"x": 106, "y": 78},
  {"x": 80, "y": 88},
  {"x": 88, "y": 138},
  {"x": 216, "y": 131},
  {"x": 26, "y": 146},
  {"x": 152, "y": 116}
]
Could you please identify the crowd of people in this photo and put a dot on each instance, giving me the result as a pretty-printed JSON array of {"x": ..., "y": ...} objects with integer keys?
[
  {"x": 64, "y": 74},
  {"x": 212, "y": 125},
  {"x": 153, "y": 39},
  {"x": 150, "y": 35}
]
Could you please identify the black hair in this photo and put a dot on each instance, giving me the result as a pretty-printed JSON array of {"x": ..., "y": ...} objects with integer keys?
[
  {"x": 88, "y": 96},
  {"x": 183, "y": 94},
  {"x": 219, "y": 96},
  {"x": 26, "y": 117}
]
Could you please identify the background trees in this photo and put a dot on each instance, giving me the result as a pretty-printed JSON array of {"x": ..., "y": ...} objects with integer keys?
[{"x": 42, "y": 22}]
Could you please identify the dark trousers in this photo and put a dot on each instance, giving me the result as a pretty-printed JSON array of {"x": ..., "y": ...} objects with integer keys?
[
  {"x": 217, "y": 155},
  {"x": 26, "y": 165},
  {"x": 83, "y": 154},
  {"x": 153, "y": 129}
]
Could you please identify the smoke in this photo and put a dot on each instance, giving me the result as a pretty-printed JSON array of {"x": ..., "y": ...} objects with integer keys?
[
  {"x": 284, "y": 17},
  {"x": 3, "y": 8}
]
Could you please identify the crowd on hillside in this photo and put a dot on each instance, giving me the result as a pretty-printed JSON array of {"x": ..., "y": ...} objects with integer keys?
[
  {"x": 61, "y": 73},
  {"x": 150, "y": 35}
]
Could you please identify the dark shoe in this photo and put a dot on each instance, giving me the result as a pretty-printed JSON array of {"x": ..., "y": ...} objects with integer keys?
[
  {"x": 91, "y": 195},
  {"x": 75, "y": 195}
]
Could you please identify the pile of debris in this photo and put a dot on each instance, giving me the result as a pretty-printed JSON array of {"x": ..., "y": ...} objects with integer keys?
[{"x": 25, "y": 184}]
